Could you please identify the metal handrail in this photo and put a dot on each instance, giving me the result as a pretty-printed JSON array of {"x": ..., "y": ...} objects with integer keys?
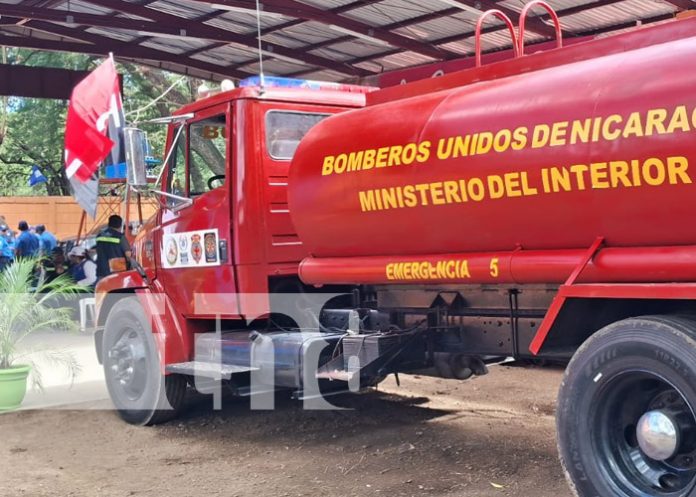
[
  {"x": 501, "y": 15},
  {"x": 523, "y": 20}
]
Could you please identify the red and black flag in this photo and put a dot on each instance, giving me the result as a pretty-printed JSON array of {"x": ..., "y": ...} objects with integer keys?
[{"x": 93, "y": 132}]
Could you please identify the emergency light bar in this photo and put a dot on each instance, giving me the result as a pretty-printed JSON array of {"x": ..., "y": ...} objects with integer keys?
[{"x": 278, "y": 82}]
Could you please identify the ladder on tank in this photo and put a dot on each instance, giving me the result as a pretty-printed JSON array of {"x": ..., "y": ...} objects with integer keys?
[{"x": 517, "y": 38}]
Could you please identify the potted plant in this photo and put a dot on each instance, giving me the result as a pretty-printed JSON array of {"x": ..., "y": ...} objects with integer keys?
[{"x": 29, "y": 304}]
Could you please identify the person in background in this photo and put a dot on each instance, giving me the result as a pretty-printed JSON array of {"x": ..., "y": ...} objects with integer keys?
[
  {"x": 6, "y": 247},
  {"x": 113, "y": 250},
  {"x": 56, "y": 265},
  {"x": 11, "y": 241},
  {"x": 83, "y": 269},
  {"x": 32, "y": 230},
  {"x": 92, "y": 249},
  {"x": 47, "y": 239},
  {"x": 27, "y": 243}
]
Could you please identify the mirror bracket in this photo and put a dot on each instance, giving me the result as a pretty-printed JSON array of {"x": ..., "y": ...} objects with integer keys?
[{"x": 183, "y": 201}]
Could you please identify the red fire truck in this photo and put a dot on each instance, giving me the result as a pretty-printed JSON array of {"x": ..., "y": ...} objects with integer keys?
[{"x": 536, "y": 207}]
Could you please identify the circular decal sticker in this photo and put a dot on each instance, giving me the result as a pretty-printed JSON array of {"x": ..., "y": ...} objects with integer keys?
[{"x": 172, "y": 251}]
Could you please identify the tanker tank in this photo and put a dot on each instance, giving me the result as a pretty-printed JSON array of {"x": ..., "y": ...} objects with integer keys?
[{"x": 541, "y": 160}]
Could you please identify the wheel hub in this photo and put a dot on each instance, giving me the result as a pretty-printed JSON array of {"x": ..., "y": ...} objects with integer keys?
[
  {"x": 658, "y": 435},
  {"x": 127, "y": 358}
]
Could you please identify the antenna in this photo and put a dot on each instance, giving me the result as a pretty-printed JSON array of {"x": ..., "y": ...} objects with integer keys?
[{"x": 258, "y": 37}]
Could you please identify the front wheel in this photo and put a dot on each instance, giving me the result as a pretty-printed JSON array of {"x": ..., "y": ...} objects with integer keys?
[
  {"x": 140, "y": 393},
  {"x": 626, "y": 411}
]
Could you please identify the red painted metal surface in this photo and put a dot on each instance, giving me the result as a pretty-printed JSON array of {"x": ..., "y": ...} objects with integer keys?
[
  {"x": 439, "y": 69},
  {"x": 559, "y": 300},
  {"x": 591, "y": 252},
  {"x": 118, "y": 281},
  {"x": 537, "y": 210},
  {"x": 643, "y": 37},
  {"x": 250, "y": 211},
  {"x": 616, "y": 265},
  {"x": 635, "y": 191},
  {"x": 173, "y": 334},
  {"x": 650, "y": 291}
]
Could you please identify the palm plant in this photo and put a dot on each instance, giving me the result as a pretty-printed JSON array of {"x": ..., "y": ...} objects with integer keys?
[{"x": 27, "y": 305}]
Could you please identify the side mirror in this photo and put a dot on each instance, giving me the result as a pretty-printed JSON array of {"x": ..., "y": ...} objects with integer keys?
[{"x": 136, "y": 146}]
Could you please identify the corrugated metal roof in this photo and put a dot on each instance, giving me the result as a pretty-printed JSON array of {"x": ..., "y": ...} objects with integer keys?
[
  {"x": 612, "y": 15},
  {"x": 332, "y": 39}
]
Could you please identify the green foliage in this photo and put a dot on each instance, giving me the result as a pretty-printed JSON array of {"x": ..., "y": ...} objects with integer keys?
[
  {"x": 151, "y": 93},
  {"x": 35, "y": 136},
  {"x": 25, "y": 309},
  {"x": 31, "y": 130}
]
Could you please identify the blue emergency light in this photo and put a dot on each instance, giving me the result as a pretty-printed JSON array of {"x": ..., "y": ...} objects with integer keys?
[{"x": 279, "y": 82}]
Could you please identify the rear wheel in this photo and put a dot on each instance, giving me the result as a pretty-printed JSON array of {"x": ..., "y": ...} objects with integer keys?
[
  {"x": 626, "y": 411},
  {"x": 140, "y": 393}
]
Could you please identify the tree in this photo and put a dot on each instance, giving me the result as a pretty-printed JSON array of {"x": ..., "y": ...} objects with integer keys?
[{"x": 34, "y": 137}]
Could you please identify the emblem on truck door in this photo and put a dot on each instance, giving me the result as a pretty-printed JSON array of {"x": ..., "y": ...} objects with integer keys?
[
  {"x": 171, "y": 252},
  {"x": 196, "y": 249},
  {"x": 190, "y": 249},
  {"x": 183, "y": 243},
  {"x": 210, "y": 244}
]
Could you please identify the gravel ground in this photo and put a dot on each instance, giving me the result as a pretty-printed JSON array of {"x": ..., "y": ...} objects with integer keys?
[{"x": 489, "y": 436}]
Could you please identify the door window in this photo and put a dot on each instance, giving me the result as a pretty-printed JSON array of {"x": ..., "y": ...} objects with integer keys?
[{"x": 207, "y": 154}]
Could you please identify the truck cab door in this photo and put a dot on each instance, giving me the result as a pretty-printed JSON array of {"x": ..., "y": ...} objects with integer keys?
[{"x": 194, "y": 261}]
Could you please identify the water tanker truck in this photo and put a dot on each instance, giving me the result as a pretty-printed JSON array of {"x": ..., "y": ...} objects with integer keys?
[{"x": 536, "y": 208}]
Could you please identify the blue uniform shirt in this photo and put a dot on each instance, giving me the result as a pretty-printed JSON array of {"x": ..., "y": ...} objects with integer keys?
[
  {"x": 27, "y": 245},
  {"x": 11, "y": 244},
  {"x": 48, "y": 242},
  {"x": 6, "y": 249}
]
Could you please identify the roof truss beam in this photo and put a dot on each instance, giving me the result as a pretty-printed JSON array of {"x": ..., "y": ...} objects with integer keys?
[
  {"x": 38, "y": 15},
  {"x": 486, "y": 29},
  {"x": 169, "y": 21},
  {"x": 683, "y": 4},
  {"x": 101, "y": 45},
  {"x": 438, "y": 15},
  {"x": 279, "y": 27},
  {"x": 307, "y": 12},
  {"x": 86, "y": 48}
]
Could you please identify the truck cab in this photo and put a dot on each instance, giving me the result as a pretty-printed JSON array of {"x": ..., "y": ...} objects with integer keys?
[
  {"x": 222, "y": 240},
  {"x": 230, "y": 233}
]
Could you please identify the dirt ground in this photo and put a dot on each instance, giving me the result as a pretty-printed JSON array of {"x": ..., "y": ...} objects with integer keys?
[{"x": 489, "y": 436}]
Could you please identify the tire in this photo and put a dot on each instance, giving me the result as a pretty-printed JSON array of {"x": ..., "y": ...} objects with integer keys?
[
  {"x": 141, "y": 394},
  {"x": 617, "y": 385}
]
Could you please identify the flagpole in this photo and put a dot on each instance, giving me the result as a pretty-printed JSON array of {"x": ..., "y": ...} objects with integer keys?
[
  {"x": 125, "y": 205},
  {"x": 83, "y": 218}
]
